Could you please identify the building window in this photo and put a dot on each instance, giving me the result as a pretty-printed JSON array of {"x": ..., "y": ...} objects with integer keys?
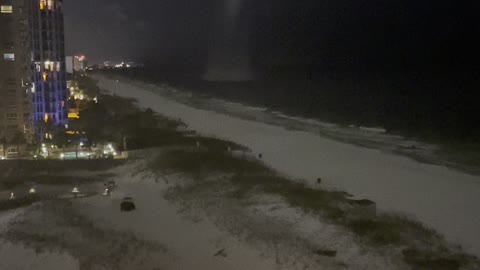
[
  {"x": 50, "y": 4},
  {"x": 49, "y": 65},
  {"x": 12, "y": 127},
  {"x": 12, "y": 149},
  {"x": 11, "y": 116},
  {"x": 6, "y": 9},
  {"x": 11, "y": 81},
  {"x": 8, "y": 45},
  {"x": 9, "y": 56}
]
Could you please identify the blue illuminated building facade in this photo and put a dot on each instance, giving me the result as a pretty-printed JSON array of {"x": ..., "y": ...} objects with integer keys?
[{"x": 48, "y": 76}]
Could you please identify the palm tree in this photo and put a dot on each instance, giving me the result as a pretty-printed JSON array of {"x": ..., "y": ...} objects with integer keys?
[
  {"x": 59, "y": 136},
  {"x": 45, "y": 127}
]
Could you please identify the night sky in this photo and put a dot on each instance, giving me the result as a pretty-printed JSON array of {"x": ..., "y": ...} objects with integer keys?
[
  {"x": 412, "y": 64},
  {"x": 347, "y": 35}
]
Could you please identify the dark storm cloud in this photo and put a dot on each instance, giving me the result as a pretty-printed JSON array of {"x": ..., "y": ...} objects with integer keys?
[
  {"x": 346, "y": 34},
  {"x": 118, "y": 11},
  {"x": 132, "y": 29}
]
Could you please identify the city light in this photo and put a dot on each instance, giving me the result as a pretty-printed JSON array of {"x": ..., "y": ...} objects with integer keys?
[
  {"x": 44, "y": 149},
  {"x": 9, "y": 56},
  {"x": 6, "y": 9},
  {"x": 80, "y": 58}
]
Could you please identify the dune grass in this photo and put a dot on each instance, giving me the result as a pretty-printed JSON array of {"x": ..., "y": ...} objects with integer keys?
[
  {"x": 247, "y": 177},
  {"x": 12, "y": 204},
  {"x": 438, "y": 259},
  {"x": 50, "y": 172},
  {"x": 199, "y": 158}
]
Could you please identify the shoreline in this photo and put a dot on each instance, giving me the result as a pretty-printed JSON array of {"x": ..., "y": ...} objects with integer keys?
[
  {"x": 200, "y": 172},
  {"x": 441, "y": 153},
  {"x": 179, "y": 111}
]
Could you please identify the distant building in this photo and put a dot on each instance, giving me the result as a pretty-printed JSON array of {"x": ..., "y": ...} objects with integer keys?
[
  {"x": 79, "y": 63},
  {"x": 121, "y": 65},
  {"x": 15, "y": 72},
  {"x": 75, "y": 64},
  {"x": 75, "y": 92},
  {"x": 32, "y": 67},
  {"x": 108, "y": 64},
  {"x": 69, "y": 64},
  {"x": 50, "y": 93}
]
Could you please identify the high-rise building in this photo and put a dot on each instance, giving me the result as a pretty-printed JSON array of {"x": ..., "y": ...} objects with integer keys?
[
  {"x": 79, "y": 63},
  {"x": 49, "y": 87},
  {"x": 15, "y": 72},
  {"x": 33, "y": 87},
  {"x": 69, "y": 64},
  {"x": 76, "y": 64}
]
